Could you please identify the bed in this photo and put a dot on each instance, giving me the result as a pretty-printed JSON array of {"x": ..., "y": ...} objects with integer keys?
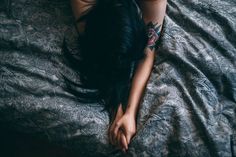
[{"x": 188, "y": 107}]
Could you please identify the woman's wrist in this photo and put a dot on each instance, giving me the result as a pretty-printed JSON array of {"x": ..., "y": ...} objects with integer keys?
[{"x": 130, "y": 112}]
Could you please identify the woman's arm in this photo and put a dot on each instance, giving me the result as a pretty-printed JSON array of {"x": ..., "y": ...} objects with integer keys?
[
  {"x": 79, "y": 8},
  {"x": 153, "y": 15}
]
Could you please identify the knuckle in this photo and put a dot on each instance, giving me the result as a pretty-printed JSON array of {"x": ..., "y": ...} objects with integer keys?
[
  {"x": 132, "y": 131},
  {"x": 116, "y": 124}
]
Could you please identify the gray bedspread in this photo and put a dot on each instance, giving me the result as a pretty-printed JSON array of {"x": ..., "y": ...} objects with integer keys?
[{"x": 189, "y": 104}]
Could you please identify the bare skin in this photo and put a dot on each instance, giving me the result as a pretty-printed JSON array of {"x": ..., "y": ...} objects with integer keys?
[
  {"x": 153, "y": 13},
  {"x": 126, "y": 125},
  {"x": 123, "y": 127},
  {"x": 121, "y": 143}
]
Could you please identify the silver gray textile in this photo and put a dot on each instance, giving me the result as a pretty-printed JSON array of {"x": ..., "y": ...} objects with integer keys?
[{"x": 189, "y": 104}]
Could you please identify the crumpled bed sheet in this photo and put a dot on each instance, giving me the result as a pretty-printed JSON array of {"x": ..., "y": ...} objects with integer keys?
[{"x": 189, "y": 104}]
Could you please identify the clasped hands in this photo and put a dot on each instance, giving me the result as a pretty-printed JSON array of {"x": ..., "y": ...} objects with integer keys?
[{"x": 122, "y": 129}]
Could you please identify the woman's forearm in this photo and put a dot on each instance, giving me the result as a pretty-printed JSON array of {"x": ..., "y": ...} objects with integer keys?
[
  {"x": 139, "y": 81},
  {"x": 153, "y": 15}
]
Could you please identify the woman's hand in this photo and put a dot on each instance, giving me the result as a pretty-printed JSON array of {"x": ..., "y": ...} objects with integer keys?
[
  {"x": 122, "y": 129},
  {"x": 127, "y": 126},
  {"x": 120, "y": 141}
]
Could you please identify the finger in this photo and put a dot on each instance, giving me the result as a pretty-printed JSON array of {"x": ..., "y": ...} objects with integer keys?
[
  {"x": 110, "y": 135},
  {"x": 123, "y": 141},
  {"x": 128, "y": 137},
  {"x": 118, "y": 140},
  {"x": 115, "y": 131},
  {"x": 110, "y": 138}
]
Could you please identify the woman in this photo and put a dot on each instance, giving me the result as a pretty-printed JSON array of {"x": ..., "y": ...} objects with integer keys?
[{"x": 124, "y": 34}]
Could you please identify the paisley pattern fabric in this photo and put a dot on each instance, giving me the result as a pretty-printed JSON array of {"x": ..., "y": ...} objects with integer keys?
[{"x": 189, "y": 104}]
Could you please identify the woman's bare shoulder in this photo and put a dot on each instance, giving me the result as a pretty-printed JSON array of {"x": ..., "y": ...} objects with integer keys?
[
  {"x": 80, "y": 7},
  {"x": 87, "y": 1}
]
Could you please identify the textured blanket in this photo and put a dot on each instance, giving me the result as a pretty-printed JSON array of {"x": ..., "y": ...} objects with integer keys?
[{"x": 189, "y": 104}]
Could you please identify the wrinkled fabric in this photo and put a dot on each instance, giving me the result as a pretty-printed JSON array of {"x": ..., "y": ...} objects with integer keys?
[{"x": 189, "y": 104}]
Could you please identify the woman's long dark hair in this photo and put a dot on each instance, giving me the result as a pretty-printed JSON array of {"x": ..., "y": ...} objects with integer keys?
[{"x": 113, "y": 42}]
